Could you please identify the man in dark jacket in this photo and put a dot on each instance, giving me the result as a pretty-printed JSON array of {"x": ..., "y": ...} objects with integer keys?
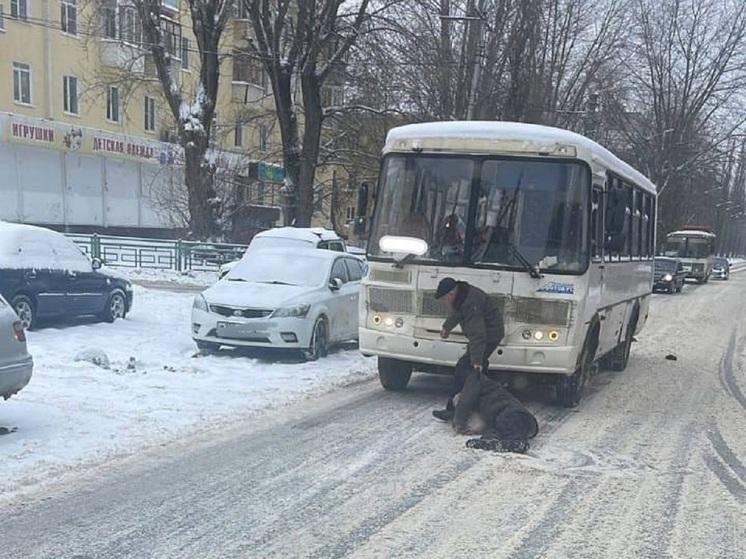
[{"x": 482, "y": 324}]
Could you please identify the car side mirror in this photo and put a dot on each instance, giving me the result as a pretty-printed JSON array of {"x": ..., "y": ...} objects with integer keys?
[
  {"x": 335, "y": 284},
  {"x": 97, "y": 263}
]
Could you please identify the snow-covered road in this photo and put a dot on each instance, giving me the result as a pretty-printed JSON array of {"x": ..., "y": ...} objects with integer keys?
[
  {"x": 157, "y": 388},
  {"x": 653, "y": 464}
]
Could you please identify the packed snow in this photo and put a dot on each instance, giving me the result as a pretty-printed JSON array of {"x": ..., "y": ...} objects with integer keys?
[{"x": 102, "y": 390}]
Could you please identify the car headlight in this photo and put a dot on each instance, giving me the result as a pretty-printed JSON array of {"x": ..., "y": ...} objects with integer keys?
[
  {"x": 667, "y": 277},
  {"x": 299, "y": 311},
  {"x": 200, "y": 303}
]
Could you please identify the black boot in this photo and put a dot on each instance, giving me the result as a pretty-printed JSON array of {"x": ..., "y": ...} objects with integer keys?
[{"x": 446, "y": 414}]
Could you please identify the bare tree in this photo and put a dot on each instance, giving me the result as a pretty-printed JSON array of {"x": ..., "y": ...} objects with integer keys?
[
  {"x": 301, "y": 45},
  {"x": 193, "y": 114}
]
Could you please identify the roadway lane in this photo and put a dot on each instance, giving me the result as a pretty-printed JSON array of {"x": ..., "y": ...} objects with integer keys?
[{"x": 653, "y": 464}]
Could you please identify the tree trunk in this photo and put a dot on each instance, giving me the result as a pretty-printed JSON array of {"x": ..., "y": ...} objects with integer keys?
[
  {"x": 204, "y": 205},
  {"x": 313, "y": 120}
]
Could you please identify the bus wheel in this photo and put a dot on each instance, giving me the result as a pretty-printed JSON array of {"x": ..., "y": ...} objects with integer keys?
[
  {"x": 570, "y": 388},
  {"x": 394, "y": 374},
  {"x": 617, "y": 358}
]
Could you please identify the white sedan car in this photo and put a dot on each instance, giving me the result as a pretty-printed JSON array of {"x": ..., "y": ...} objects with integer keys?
[
  {"x": 284, "y": 298},
  {"x": 15, "y": 362}
]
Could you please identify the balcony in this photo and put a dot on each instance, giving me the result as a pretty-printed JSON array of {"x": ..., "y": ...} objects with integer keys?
[{"x": 122, "y": 55}]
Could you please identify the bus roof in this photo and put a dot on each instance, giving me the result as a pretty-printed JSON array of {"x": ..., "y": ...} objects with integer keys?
[
  {"x": 692, "y": 233},
  {"x": 517, "y": 137}
]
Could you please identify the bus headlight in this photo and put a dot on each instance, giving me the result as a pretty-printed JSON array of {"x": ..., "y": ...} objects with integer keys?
[
  {"x": 399, "y": 322},
  {"x": 667, "y": 277},
  {"x": 526, "y": 334},
  {"x": 388, "y": 321},
  {"x": 377, "y": 319},
  {"x": 538, "y": 335},
  {"x": 553, "y": 336}
]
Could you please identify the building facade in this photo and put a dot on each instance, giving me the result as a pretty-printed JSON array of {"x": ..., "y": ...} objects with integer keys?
[{"x": 87, "y": 142}]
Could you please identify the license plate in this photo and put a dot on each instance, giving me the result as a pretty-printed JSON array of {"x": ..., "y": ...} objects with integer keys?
[{"x": 236, "y": 330}]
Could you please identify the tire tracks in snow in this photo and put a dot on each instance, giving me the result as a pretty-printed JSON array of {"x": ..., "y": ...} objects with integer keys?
[
  {"x": 729, "y": 469},
  {"x": 727, "y": 371}
]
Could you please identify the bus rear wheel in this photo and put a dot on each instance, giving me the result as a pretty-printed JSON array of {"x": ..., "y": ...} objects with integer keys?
[{"x": 393, "y": 373}]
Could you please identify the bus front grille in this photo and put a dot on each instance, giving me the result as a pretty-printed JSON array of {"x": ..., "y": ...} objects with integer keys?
[
  {"x": 390, "y": 300},
  {"x": 390, "y": 276}
]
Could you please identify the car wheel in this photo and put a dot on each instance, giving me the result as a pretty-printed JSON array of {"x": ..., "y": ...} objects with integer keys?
[
  {"x": 393, "y": 373},
  {"x": 319, "y": 341},
  {"x": 116, "y": 307},
  {"x": 207, "y": 348},
  {"x": 25, "y": 310}
]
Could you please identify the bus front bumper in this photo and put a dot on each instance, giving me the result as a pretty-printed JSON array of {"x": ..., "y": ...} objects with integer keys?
[{"x": 439, "y": 353}]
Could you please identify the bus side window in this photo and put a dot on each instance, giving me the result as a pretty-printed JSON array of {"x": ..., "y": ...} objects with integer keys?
[
  {"x": 616, "y": 229},
  {"x": 597, "y": 226}
]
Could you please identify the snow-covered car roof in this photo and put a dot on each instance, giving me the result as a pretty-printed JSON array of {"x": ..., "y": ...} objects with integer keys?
[
  {"x": 693, "y": 233},
  {"x": 309, "y": 234},
  {"x": 27, "y": 246},
  {"x": 530, "y": 138}
]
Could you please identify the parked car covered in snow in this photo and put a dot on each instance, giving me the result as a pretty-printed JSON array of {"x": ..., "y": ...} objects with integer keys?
[
  {"x": 292, "y": 237},
  {"x": 721, "y": 269},
  {"x": 285, "y": 298},
  {"x": 668, "y": 275},
  {"x": 15, "y": 362},
  {"x": 45, "y": 275}
]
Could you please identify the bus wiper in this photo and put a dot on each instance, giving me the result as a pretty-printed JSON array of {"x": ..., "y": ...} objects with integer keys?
[{"x": 532, "y": 270}]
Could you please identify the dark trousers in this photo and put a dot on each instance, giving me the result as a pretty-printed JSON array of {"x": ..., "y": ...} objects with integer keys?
[{"x": 464, "y": 367}]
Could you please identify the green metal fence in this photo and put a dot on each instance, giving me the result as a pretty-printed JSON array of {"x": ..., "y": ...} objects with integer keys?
[{"x": 158, "y": 254}]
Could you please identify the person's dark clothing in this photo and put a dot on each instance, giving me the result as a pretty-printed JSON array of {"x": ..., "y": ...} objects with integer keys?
[
  {"x": 480, "y": 319},
  {"x": 505, "y": 417},
  {"x": 464, "y": 367}
]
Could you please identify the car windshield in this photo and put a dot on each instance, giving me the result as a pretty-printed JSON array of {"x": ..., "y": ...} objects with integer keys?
[
  {"x": 279, "y": 242},
  {"x": 281, "y": 268},
  {"x": 665, "y": 265},
  {"x": 688, "y": 247},
  {"x": 721, "y": 263},
  {"x": 478, "y": 211}
]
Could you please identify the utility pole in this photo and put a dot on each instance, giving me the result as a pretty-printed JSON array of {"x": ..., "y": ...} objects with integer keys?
[
  {"x": 590, "y": 124},
  {"x": 477, "y": 20}
]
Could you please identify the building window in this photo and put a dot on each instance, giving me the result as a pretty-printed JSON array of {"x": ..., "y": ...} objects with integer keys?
[
  {"x": 185, "y": 53},
  {"x": 109, "y": 14},
  {"x": 350, "y": 214},
  {"x": 130, "y": 30},
  {"x": 19, "y": 9},
  {"x": 112, "y": 104},
  {"x": 21, "y": 83},
  {"x": 238, "y": 135},
  {"x": 149, "y": 113},
  {"x": 171, "y": 36},
  {"x": 264, "y": 138},
  {"x": 70, "y": 94},
  {"x": 2, "y": 19},
  {"x": 69, "y": 16},
  {"x": 247, "y": 69}
]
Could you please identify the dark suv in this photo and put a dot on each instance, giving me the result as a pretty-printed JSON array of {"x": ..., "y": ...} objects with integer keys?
[
  {"x": 44, "y": 275},
  {"x": 669, "y": 275}
]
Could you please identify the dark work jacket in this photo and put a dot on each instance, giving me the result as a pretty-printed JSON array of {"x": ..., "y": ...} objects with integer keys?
[
  {"x": 480, "y": 319},
  {"x": 503, "y": 414}
]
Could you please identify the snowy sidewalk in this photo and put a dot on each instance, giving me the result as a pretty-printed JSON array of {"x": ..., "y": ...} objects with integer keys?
[{"x": 155, "y": 390}]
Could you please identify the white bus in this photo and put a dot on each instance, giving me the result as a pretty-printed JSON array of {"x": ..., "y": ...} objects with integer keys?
[
  {"x": 696, "y": 250},
  {"x": 555, "y": 227}
]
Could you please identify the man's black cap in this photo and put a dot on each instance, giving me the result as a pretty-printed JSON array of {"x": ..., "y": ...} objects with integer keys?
[{"x": 445, "y": 286}]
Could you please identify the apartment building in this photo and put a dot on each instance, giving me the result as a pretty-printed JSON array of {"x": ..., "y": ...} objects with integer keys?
[{"x": 86, "y": 139}]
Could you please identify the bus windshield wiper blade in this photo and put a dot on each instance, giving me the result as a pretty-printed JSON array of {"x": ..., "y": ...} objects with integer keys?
[{"x": 533, "y": 271}]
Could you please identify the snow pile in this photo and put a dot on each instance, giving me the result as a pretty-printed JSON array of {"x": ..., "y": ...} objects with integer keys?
[
  {"x": 166, "y": 278},
  {"x": 158, "y": 388},
  {"x": 94, "y": 357}
]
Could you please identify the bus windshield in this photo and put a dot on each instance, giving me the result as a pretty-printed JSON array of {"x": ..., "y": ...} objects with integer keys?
[
  {"x": 688, "y": 247},
  {"x": 479, "y": 211}
]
